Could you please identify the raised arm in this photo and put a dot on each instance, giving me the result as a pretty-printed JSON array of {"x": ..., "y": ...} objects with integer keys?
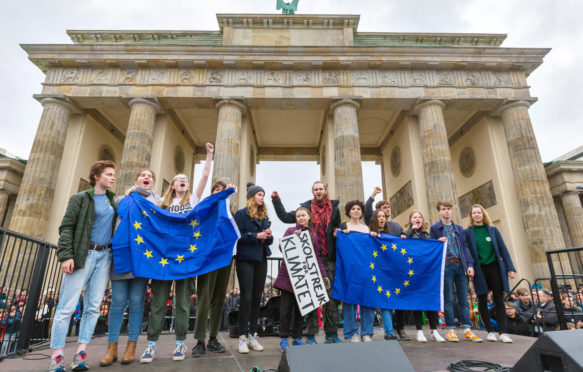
[
  {"x": 282, "y": 214},
  {"x": 206, "y": 171}
]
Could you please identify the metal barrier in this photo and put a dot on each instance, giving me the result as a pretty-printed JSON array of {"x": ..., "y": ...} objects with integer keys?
[
  {"x": 565, "y": 267},
  {"x": 30, "y": 277}
]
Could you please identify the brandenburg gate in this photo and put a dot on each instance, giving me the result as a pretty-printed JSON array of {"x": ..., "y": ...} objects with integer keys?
[{"x": 445, "y": 115}]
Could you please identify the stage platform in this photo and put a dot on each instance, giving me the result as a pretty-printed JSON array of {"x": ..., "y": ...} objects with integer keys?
[{"x": 431, "y": 356}]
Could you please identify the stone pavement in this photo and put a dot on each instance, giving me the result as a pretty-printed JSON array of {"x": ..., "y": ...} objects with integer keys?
[{"x": 424, "y": 357}]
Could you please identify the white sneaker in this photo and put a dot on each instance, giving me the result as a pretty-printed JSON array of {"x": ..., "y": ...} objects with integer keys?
[
  {"x": 491, "y": 337},
  {"x": 243, "y": 348},
  {"x": 505, "y": 338},
  {"x": 254, "y": 344},
  {"x": 436, "y": 336},
  {"x": 355, "y": 338},
  {"x": 421, "y": 337},
  {"x": 366, "y": 338},
  {"x": 149, "y": 355}
]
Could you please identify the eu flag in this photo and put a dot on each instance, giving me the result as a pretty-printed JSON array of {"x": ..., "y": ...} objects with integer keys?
[
  {"x": 388, "y": 272},
  {"x": 154, "y": 243}
]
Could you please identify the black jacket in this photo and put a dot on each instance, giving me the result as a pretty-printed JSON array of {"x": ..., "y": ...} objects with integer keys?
[
  {"x": 290, "y": 217},
  {"x": 549, "y": 318},
  {"x": 248, "y": 247},
  {"x": 417, "y": 234}
]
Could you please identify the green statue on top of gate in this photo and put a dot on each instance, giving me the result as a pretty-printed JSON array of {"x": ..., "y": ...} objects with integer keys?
[{"x": 287, "y": 8}]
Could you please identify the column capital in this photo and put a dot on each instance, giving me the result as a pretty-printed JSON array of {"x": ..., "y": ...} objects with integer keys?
[
  {"x": 508, "y": 105},
  {"x": 232, "y": 101},
  {"x": 150, "y": 101},
  {"x": 59, "y": 99},
  {"x": 424, "y": 103},
  {"x": 336, "y": 102}
]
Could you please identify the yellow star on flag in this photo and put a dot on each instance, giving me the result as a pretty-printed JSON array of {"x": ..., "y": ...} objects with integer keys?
[
  {"x": 403, "y": 251},
  {"x": 411, "y": 273},
  {"x": 406, "y": 284},
  {"x": 388, "y": 293},
  {"x": 372, "y": 265},
  {"x": 394, "y": 247},
  {"x": 384, "y": 247},
  {"x": 139, "y": 239},
  {"x": 410, "y": 260},
  {"x": 193, "y": 223},
  {"x": 180, "y": 259},
  {"x": 398, "y": 290},
  {"x": 137, "y": 225},
  {"x": 375, "y": 254},
  {"x": 192, "y": 247},
  {"x": 153, "y": 211},
  {"x": 145, "y": 214},
  {"x": 374, "y": 279},
  {"x": 148, "y": 254},
  {"x": 164, "y": 262},
  {"x": 197, "y": 234},
  {"x": 380, "y": 289}
]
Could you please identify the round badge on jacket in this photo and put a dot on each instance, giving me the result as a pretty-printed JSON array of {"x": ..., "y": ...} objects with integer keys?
[{"x": 488, "y": 239}]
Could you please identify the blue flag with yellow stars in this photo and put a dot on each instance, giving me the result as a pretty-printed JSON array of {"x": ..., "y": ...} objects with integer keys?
[
  {"x": 388, "y": 272},
  {"x": 154, "y": 243}
]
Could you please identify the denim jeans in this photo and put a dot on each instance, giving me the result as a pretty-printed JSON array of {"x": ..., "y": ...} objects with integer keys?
[
  {"x": 350, "y": 324},
  {"x": 133, "y": 290},
  {"x": 387, "y": 316},
  {"x": 93, "y": 277},
  {"x": 454, "y": 274}
]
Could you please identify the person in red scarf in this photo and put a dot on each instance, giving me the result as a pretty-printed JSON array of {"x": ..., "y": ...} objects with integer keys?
[{"x": 325, "y": 220}]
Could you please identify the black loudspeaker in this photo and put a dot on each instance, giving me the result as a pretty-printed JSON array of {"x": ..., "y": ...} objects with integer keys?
[
  {"x": 346, "y": 357},
  {"x": 557, "y": 351}
]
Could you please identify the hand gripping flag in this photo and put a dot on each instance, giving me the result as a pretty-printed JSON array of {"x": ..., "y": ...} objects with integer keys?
[
  {"x": 388, "y": 272},
  {"x": 154, "y": 243}
]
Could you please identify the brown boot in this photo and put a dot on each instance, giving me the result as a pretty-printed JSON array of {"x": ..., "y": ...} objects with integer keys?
[
  {"x": 128, "y": 356},
  {"x": 110, "y": 356}
]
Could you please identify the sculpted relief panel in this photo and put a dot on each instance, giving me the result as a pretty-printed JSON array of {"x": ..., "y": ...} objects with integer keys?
[{"x": 237, "y": 77}]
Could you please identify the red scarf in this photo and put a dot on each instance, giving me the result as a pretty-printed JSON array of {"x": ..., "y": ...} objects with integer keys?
[{"x": 321, "y": 213}]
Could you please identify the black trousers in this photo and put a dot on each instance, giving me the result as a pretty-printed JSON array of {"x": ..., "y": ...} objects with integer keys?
[
  {"x": 251, "y": 277},
  {"x": 288, "y": 310},
  {"x": 431, "y": 317},
  {"x": 493, "y": 278},
  {"x": 330, "y": 309},
  {"x": 399, "y": 319}
]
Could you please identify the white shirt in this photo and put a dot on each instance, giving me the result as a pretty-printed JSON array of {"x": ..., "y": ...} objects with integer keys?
[{"x": 175, "y": 207}]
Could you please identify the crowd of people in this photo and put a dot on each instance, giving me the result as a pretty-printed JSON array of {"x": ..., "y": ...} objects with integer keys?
[{"x": 476, "y": 254}]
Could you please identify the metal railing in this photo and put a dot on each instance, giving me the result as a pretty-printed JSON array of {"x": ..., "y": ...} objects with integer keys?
[{"x": 565, "y": 267}]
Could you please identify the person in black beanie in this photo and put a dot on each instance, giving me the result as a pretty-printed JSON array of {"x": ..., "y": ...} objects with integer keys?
[{"x": 251, "y": 263}]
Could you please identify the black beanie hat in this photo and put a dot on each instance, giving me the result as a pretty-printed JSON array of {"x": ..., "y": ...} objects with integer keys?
[{"x": 253, "y": 189}]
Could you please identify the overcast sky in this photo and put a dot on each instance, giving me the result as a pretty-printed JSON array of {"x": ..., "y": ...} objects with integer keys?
[{"x": 557, "y": 117}]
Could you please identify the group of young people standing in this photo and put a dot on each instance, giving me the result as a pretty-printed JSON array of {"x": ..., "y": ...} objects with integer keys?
[{"x": 85, "y": 255}]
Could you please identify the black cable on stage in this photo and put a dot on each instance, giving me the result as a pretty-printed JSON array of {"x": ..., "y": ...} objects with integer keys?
[{"x": 469, "y": 365}]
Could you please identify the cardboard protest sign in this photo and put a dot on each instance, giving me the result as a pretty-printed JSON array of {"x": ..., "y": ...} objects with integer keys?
[{"x": 304, "y": 272}]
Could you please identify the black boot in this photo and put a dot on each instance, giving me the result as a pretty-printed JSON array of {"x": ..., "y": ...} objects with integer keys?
[{"x": 403, "y": 335}]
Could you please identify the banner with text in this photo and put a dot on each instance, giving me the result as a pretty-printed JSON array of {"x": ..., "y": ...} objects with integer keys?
[{"x": 304, "y": 272}]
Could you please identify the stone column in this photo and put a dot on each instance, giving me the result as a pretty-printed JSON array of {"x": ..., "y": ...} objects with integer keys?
[
  {"x": 436, "y": 155},
  {"x": 347, "y": 162},
  {"x": 4, "y": 198},
  {"x": 35, "y": 196},
  {"x": 538, "y": 213},
  {"x": 227, "y": 155},
  {"x": 137, "y": 147},
  {"x": 574, "y": 215}
]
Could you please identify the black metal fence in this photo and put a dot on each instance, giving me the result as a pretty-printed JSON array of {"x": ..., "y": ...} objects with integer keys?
[
  {"x": 566, "y": 269},
  {"x": 30, "y": 281}
]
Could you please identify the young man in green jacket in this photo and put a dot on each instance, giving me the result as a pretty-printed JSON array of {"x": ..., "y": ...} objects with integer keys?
[{"x": 85, "y": 256}]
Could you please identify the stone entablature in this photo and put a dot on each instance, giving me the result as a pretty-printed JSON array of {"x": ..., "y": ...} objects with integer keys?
[{"x": 287, "y": 78}]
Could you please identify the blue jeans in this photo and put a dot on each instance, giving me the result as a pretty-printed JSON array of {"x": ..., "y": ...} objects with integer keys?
[
  {"x": 454, "y": 274},
  {"x": 133, "y": 290},
  {"x": 93, "y": 277},
  {"x": 387, "y": 316},
  {"x": 350, "y": 324}
]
